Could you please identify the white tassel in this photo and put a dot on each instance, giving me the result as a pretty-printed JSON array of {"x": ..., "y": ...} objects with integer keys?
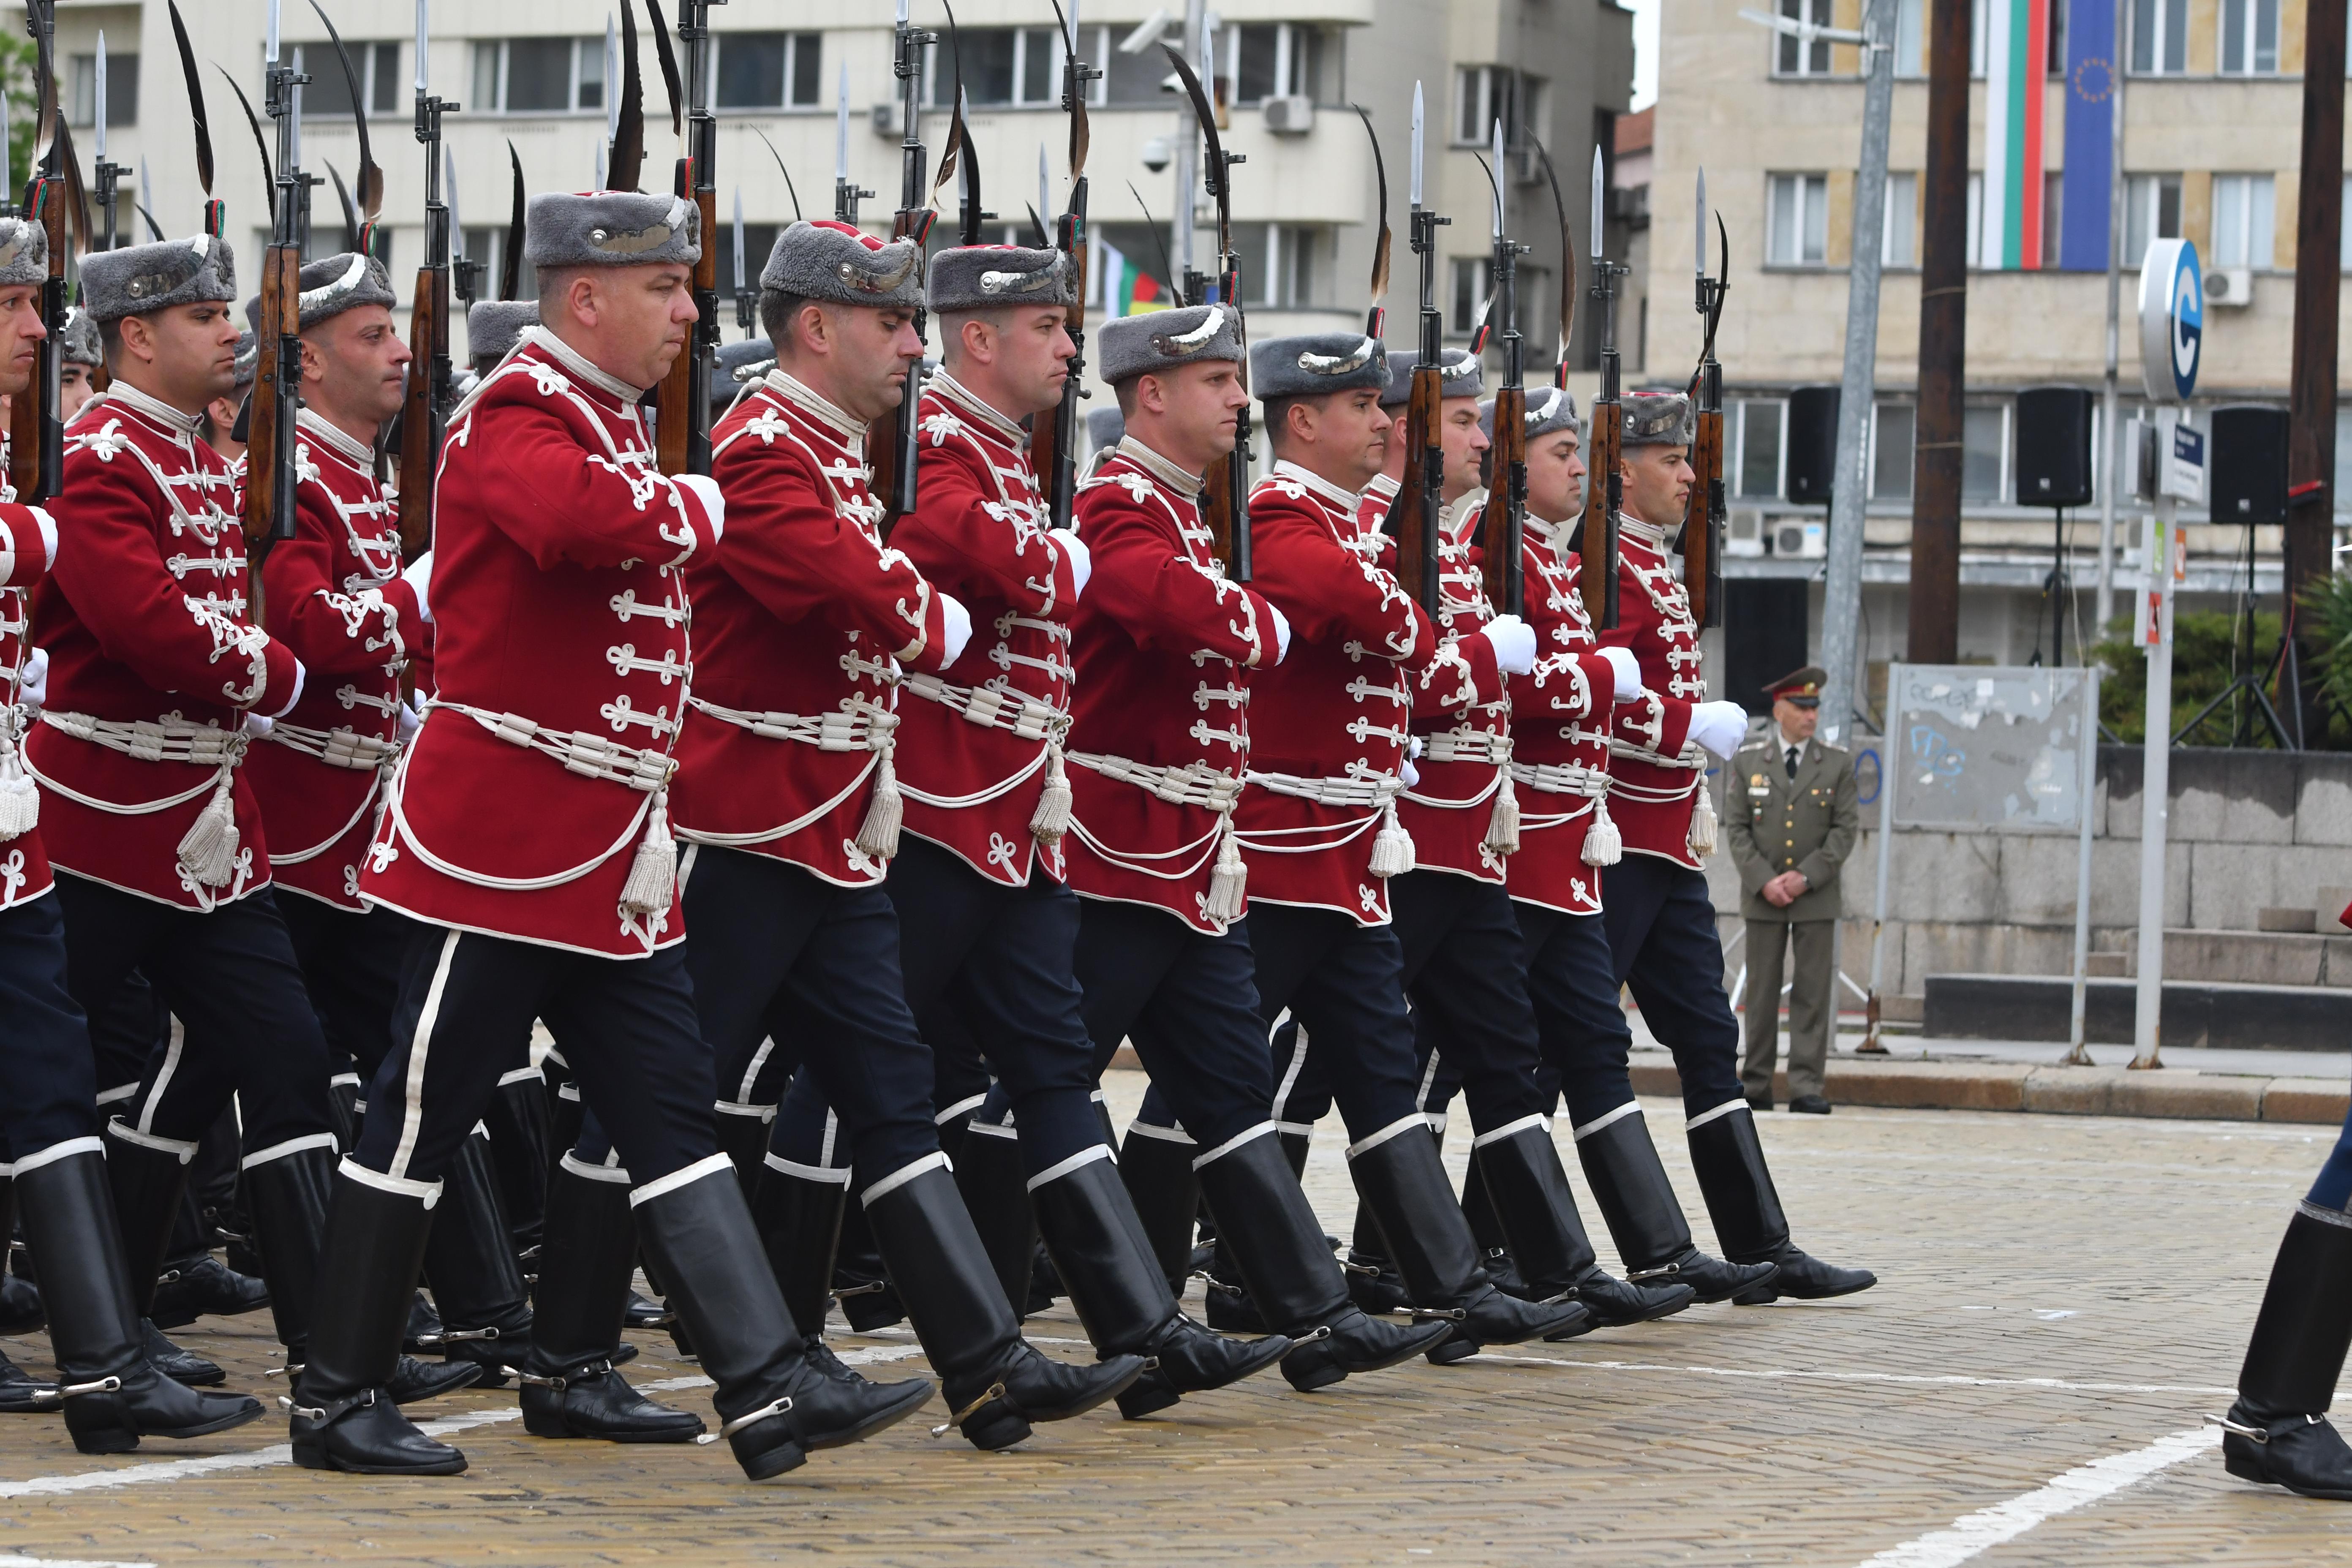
[
  {"x": 1392, "y": 845},
  {"x": 653, "y": 875},
  {"x": 1603, "y": 844},
  {"x": 1052, "y": 817},
  {"x": 1230, "y": 881},
  {"x": 1503, "y": 826},
  {"x": 208, "y": 848},
  {"x": 1701, "y": 827},
  {"x": 878, "y": 834},
  {"x": 20, "y": 802}
]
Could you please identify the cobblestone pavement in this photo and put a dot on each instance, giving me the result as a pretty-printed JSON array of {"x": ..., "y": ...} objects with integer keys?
[{"x": 2057, "y": 1292}]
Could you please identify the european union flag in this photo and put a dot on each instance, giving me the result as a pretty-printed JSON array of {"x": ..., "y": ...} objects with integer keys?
[{"x": 2092, "y": 73}]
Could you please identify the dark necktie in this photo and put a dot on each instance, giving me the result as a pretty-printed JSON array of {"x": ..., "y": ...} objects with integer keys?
[{"x": 1793, "y": 764}]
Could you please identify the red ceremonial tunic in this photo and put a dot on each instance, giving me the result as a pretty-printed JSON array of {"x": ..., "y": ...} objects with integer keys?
[
  {"x": 1334, "y": 718},
  {"x": 1465, "y": 747},
  {"x": 801, "y": 612},
  {"x": 1656, "y": 771},
  {"x": 153, "y": 664},
  {"x": 25, "y": 556},
  {"x": 1560, "y": 750},
  {"x": 333, "y": 595},
  {"x": 978, "y": 737},
  {"x": 1159, "y": 737},
  {"x": 1378, "y": 497},
  {"x": 560, "y": 665}
]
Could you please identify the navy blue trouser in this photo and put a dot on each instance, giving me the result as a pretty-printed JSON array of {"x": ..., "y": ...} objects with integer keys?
[
  {"x": 351, "y": 963},
  {"x": 1465, "y": 970},
  {"x": 1664, "y": 946},
  {"x": 48, "y": 1087},
  {"x": 798, "y": 978}
]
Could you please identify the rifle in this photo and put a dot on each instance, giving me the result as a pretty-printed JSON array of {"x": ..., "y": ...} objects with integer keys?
[
  {"x": 1057, "y": 445},
  {"x": 682, "y": 405},
  {"x": 424, "y": 408},
  {"x": 1224, "y": 501},
  {"x": 1702, "y": 540},
  {"x": 54, "y": 199},
  {"x": 1507, "y": 496},
  {"x": 108, "y": 175},
  {"x": 1605, "y": 489},
  {"x": 269, "y": 477},
  {"x": 1412, "y": 520},
  {"x": 893, "y": 463}
]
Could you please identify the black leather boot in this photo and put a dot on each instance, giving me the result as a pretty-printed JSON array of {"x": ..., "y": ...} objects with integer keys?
[
  {"x": 201, "y": 1286},
  {"x": 517, "y": 1121},
  {"x": 148, "y": 1176},
  {"x": 743, "y": 1131},
  {"x": 344, "y": 1417},
  {"x": 1102, "y": 1254},
  {"x": 1266, "y": 1226},
  {"x": 179, "y": 1364},
  {"x": 1747, "y": 1217},
  {"x": 995, "y": 1186},
  {"x": 799, "y": 1218},
  {"x": 774, "y": 1403},
  {"x": 20, "y": 1394},
  {"x": 20, "y": 1298},
  {"x": 1373, "y": 1283},
  {"x": 1400, "y": 1176},
  {"x": 1532, "y": 1199},
  {"x": 2278, "y": 1432},
  {"x": 1644, "y": 1217},
  {"x": 569, "y": 1386},
  {"x": 470, "y": 1263},
  {"x": 995, "y": 1384},
  {"x": 112, "y": 1394},
  {"x": 1157, "y": 1168},
  {"x": 869, "y": 1303},
  {"x": 344, "y": 1091},
  {"x": 1494, "y": 1242}
]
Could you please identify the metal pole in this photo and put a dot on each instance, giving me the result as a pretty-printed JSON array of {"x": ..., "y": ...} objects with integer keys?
[
  {"x": 2111, "y": 405},
  {"x": 2076, "y": 1035},
  {"x": 2156, "y": 783},
  {"x": 1850, "y": 495},
  {"x": 1887, "y": 743},
  {"x": 1935, "y": 598},
  {"x": 1188, "y": 148}
]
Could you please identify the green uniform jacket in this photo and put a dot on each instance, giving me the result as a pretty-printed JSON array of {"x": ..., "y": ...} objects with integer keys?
[{"x": 1773, "y": 826}]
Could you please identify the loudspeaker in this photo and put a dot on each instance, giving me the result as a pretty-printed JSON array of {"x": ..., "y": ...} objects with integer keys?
[
  {"x": 2054, "y": 446},
  {"x": 1812, "y": 443},
  {"x": 2246, "y": 481}
]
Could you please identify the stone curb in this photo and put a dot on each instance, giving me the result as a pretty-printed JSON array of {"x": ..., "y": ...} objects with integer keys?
[{"x": 2057, "y": 1091}]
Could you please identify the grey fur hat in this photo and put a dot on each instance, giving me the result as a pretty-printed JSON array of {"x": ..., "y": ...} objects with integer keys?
[
  {"x": 752, "y": 353},
  {"x": 611, "y": 229},
  {"x": 1549, "y": 411},
  {"x": 78, "y": 342},
  {"x": 1162, "y": 340},
  {"x": 844, "y": 265},
  {"x": 334, "y": 284},
  {"x": 493, "y": 327},
  {"x": 1461, "y": 373},
  {"x": 1656, "y": 419},
  {"x": 249, "y": 359},
  {"x": 144, "y": 279},
  {"x": 996, "y": 277},
  {"x": 24, "y": 253},
  {"x": 1317, "y": 363}
]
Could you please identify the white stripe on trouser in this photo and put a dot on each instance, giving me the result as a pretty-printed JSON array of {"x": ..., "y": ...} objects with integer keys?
[
  {"x": 292, "y": 1146},
  {"x": 579, "y": 1167},
  {"x": 1061, "y": 1168},
  {"x": 709, "y": 1165},
  {"x": 1606, "y": 1119},
  {"x": 164, "y": 1076},
  {"x": 972, "y": 1102},
  {"x": 752, "y": 1073},
  {"x": 935, "y": 1161},
  {"x": 1509, "y": 1129},
  {"x": 185, "y": 1149},
  {"x": 1428, "y": 1081},
  {"x": 1402, "y": 1124},
  {"x": 1153, "y": 1130},
  {"x": 837, "y": 1176},
  {"x": 426, "y": 1193},
  {"x": 420, "y": 1044},
  {"x": 832, "y": 1134},
  {"x": 1290, "y": 1074},
  {"x": 1704, "y": 1117},
  {"x": 520, "y": 1075},
  {"x": 1247, "y": 1135}
]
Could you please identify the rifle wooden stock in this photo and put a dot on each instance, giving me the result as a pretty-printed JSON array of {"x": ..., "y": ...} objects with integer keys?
[
  {"x": 269, "y": 432},
  {"x": 674, "y": 399},
  {"x": 420, "y": 419},
  {"x": 1597, "y": 538},
  {"x": 36, "y": 430},
  {"x": 1054, "y": 445},
  {"x": 1507, "y": 496},
  {"x": 1702, "y": 528},
  {"x": 1410, "y": 518},
  {"x": 1217, "y": 511}
]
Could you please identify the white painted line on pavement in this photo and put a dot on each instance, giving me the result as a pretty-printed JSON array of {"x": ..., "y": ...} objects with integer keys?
[
  {"x": 1920, "y": 1379},
  {"x": 2085, "y": 1484},
  {"x": 8, "y": 1562}
]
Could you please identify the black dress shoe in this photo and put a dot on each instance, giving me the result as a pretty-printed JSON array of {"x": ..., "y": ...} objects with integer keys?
[
  {"x": 415, "y": 1382},
  {"x": 20, "y": 1395},
  {"x": 1807, "y": 1278},
  {"x": 643, "y": 1314},
  {"x": 2302, "y": 1453},
  {"x": 180, "y": 1365},
  {"x": 1810, "y": 1105},
  {"x": 1713, "y": 1279},
  {"x": 1374, "y": 1284},
  {"x": 594, "y": 1401},
  {"x": 20, "y": 1304},
  {"x": 1760, "y": 1102},
  {"x": 201, "y": 1286},
  {"x": 1187, "y": 1358},
  {"x": 366, "y": 1434}
]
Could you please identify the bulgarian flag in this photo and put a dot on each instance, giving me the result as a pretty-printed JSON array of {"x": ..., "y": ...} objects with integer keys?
[
  {"x": 1128, "y": 289},
  {"x": 2017, "y": 54}
]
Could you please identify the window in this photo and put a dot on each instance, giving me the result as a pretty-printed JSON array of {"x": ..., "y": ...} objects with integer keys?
[
  {"x": 1984, "y": 453},
  {"x": 488, "y": 247},
  {"x": 121, "y": 90},
  {"x": 2159, "y": 38},
  {"x": 2250, "y": 37},
  {"x": 1901, "y": 244},
  {"x": 1134, "y": 80},
  {"x": 328, "y": 97},
  {"x": 770, "y": 71},
  {"x": 1797, "y": 223},
  {"x": 1911, "y": 37},
  {"x": 1891, "y": 451},
  {"x": 1471, "y": 278},
  {"x": 1759, "y": 463},
  {"x": 537, "y": 75},
  {"x": 2151, "y": 211},
  {"x": 1793, "y": 56},
  {"x": 2242, "y": 214},
  {"x": 1019, "y": 67},
  {"x": 1276, "y": 59}
]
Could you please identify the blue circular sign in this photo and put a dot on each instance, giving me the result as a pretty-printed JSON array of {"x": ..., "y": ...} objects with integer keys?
[{"x": 2171, "y": 320}]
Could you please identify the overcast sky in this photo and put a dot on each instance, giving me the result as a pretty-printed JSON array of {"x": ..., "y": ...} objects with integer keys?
[{"x": 1646, "y": 51}]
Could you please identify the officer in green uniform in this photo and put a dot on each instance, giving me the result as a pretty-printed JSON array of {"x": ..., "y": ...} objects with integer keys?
[{"x": 1790, "y": 817}]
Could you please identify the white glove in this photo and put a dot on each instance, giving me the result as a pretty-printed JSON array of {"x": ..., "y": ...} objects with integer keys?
[
  {"x": 1514, "y": 642},
  {"x": 1407, "y": 771},
  {"x": 1628, "y": 670},
  {"x": 292, "y": 696},
  {"x": 714, "y": 502},
  {"x": 1281, "y": 632},
  {"x": 418, "y": 575},
  {"x": 1720, "y": 727},
  {"x": 408, "y": 718},
  {"x": 959, "y": 628},
  {"x": 49, "y": 527},
  {"x": 1082, "y": 560},
  {"x": 33, "y": 681},
  {"x": 258, "y": 727}
]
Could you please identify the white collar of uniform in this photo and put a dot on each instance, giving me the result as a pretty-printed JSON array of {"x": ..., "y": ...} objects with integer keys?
[
  {"x": 1649, "y": 533},
  {"x": 357, "y": 455},
  {"x": 1320, "y": 488},
  {"x": 1384, "y": 487},
  {"x": 1158, "y": 468},
  {"x": 968, "y": 402},
  {"x": 1560, "y": 536},
  {"x": 1450, "y": 520},
  {"x": 797, "y": 393},
  {"x": 154, "y": 410},
  {"x": 573, "y": 360}
]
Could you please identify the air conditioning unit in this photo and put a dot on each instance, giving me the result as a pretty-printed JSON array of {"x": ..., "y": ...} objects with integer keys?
[
  {"x": 890, "y": 119},
  {"x": 1743, "y": 533},
  {"x": 1797, "y": 539},
  {"x": 1290, "y": 116},
  {"x": 2232, "y": 287}
]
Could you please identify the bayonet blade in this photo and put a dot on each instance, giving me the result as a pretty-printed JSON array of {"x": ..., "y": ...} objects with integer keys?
[
  {"x": 97, "y": 84},
  {"x": 1415, "y": 199},
  {"x": 1597, "y": 251}
]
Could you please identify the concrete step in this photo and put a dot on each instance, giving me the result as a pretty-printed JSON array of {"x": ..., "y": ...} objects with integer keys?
[
  {"x": 2196, "y": 1013},
  {"x": 2237, "y": 957}
]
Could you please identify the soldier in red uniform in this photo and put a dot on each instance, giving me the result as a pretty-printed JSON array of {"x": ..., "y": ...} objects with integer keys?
[
  {"x": 52, "y": 1159},
  {"x": 528, "y": 822},
  {"x": 1167, "y": 648},
  {"x": 1460, "y": 376},
  {"x": 1655, "y": 907}
]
